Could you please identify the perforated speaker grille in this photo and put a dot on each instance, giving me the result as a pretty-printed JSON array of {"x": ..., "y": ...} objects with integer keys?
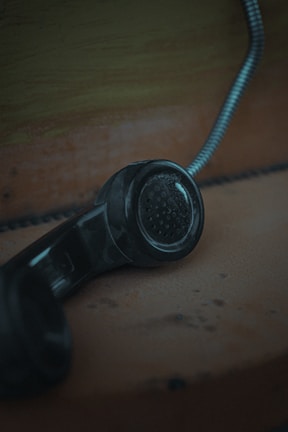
[{"x": 165, "y": 208}]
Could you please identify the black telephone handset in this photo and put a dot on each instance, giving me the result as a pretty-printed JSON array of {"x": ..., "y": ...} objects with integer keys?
[{"x": 148, "y": 213}]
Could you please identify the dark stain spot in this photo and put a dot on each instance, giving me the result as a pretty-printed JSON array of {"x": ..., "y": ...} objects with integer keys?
[
  {"x": 108, "y": 302},
  {"x": 194, "y": 326},
  {"x": 272, "y": 311},
  {"x": 239, "y": 308},
  {"x": 201, "y": 318},
  {"x": 219, "y": 302},
  {"x": 186, "y": 321},
  {"x": 210, "y": 328},
  {"x": 176, "y": 384},
  {"x": 179, "y": 320},
  {"x": 223, "y": 275},
  {"x": 196, "y": 290},
  {"x": 6, "y": 194},
  {"x": 92, "y": 306}
]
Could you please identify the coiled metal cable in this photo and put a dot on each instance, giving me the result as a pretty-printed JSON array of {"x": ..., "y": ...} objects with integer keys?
[{"x": 247, "y": 70}]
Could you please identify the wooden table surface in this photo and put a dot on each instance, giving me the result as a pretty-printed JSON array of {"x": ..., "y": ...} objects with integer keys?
[{"x": 201, "y": 344}]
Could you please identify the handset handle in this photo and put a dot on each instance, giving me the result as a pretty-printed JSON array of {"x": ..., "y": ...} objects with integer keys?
[{"x": 75, "y": 251}]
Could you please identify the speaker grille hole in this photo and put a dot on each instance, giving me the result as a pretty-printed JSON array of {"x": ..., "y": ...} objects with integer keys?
[{"x": 165, "y": 208}]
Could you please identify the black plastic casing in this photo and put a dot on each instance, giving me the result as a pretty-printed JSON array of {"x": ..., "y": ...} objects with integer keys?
[
  {"x": 146, "y": 214},
  {"x": 123, "y": 194},
  {"x": 35, "y": 341}
]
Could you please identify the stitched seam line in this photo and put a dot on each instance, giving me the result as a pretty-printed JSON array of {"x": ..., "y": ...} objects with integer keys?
[{"x": 214, "y": 181}]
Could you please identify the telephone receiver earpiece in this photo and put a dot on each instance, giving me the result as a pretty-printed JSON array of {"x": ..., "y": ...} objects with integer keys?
[{"x": 146, "y": 214}]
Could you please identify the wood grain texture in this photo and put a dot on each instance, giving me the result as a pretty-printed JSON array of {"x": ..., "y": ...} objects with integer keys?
[
  {"x": 87, "y": 87},
  {"x": 212, "y": 327}
]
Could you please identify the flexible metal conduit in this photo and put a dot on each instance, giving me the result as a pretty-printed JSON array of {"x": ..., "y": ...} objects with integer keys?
[{"x": 246, "y": 72}]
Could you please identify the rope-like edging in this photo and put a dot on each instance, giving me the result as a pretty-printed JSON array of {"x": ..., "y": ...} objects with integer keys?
[{"x": 214, "y": 181}]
